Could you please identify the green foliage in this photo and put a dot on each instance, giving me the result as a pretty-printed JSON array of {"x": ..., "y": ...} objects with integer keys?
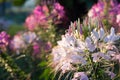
[
  {"x": 13, "y": 29},
  {"x": 8, "y": 66},
  {"x": 18, "y": 2}
]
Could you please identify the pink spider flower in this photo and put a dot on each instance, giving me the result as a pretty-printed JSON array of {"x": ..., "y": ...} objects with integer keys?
[
  {"x": 17, "y": 43},
  {"x": 31, "y": 22},
  {"x": 4, "y": 40},
  {"x": 58, "y": 9}
]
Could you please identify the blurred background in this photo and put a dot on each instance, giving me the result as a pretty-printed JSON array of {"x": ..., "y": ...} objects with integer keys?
[
  {"x": 16, "y": 11},
  {"x": 13, "y": 14}
]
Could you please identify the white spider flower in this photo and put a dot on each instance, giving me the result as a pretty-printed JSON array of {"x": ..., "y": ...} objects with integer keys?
[
  {"x": 58, "y": 53},
  {"x": 73, "y": 53},
  {"x": 67, "y": 41}
]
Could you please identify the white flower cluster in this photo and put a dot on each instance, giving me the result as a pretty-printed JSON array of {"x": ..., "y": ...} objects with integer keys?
[
  {"x": 22, "y": 40},
  {"x": 72, "y": 51}
]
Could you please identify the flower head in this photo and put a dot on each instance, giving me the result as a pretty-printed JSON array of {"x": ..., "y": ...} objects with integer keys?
[
  {"x": 106, "y": 13},
  {"x": 4, "y": 40},
  {"x": 17, "y": 43},
  {"x": 43, "y": 15},
  {"x": 29, "y": 37},
  {"x": 74, "y": 53},
  {"x": 31, "y": 22},
  {"x": 58, "y": 9}
]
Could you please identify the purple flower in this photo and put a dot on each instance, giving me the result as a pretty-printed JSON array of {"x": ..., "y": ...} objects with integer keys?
[
  {"x": 116, "y": 57},
  {"x": 111, "y": 74},
  {"x": 48, "y": 46},
  {"x": 100, "y": 55},
  {"x": 96, "y": 10},
  {"x": 40, "y": 12},
  {"x": 17, "y": 44},
  {"x": 118, "y": 19},
  {"x": 59, "y": 10},
  {"x": 4, "y": 39},
  {"x": 36, "y": 48},
  {"x": 31, "y": 22},
  {"x": 29, "y": 37}
]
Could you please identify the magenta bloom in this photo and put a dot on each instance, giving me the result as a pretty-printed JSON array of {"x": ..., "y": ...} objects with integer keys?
[
  {"x": 96, "y": 10},
  {"x": 17, "y": 44},
  {"x": 36, "y": 48},
  {"x": 43, "y": 15},
  {"x": 58, "y": 9},
  {"x": 31, "y": 22},
  {"x": 118, "y": 19},
  {"x": 48, "y": 46},
  {"x": 40, "y": 13},
  {"x": 4, "y": 39}
]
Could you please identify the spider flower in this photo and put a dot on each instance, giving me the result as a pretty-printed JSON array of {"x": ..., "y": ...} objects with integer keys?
[
  {"x": 4, "y": 40},
  {"x": 104, "y": 12},
  {"x": 96, "y": 10},
  {"x": 43, "y": 15},
  {"x": 96, "y": 52},
  {"x": 29, "y": 37},
  {"x": 22, "y": 40},
  {"x": 30, "y": 22},
  {"x": 59, "y": 10},
  {"x": 17, "y": 43}
]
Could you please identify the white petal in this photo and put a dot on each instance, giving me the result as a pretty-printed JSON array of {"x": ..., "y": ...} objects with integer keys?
[{"x": 101, "y": 33}]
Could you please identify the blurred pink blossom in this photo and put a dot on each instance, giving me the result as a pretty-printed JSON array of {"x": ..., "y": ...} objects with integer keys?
[
  {"x": 43, "y": 15},
  {"x": 4, "y": 39},
  {"x": 36, "y": 48},
  {"x": 48, "y": 46},
  {"x": 31, "y": 22},
  {"x": 59, "y": 10},
  {"x": 111, "y": 74},
  {"x": 118, "y": 19},
  {"x": 17, "y": 43},
  {"x": 98, "y": 12}
]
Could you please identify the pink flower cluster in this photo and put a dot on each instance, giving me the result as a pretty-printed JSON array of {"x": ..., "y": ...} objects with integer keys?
[
  {"x": 96, "y": 10},
  {"x": 99, "y": 11},
  {"x": 4, "y": 39},
  {"x": 22, "y": 40},
  {"x": 43, "y": 15}
]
